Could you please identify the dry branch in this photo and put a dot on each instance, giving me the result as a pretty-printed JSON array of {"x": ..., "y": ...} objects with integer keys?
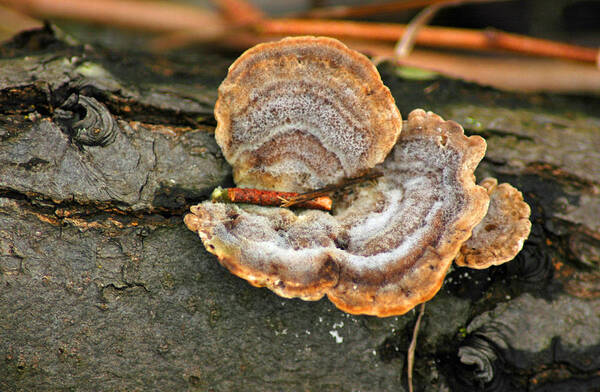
[
  {"x": 431, "y": 36},
  {"x": 372, "y": 9}
]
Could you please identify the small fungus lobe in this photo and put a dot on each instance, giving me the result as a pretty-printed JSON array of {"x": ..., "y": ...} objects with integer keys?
[
  {"x": 501, "y": 234},
  {"x": 306, "y": 112}
]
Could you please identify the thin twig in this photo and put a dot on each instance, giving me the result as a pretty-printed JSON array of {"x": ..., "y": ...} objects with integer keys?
[
  {"x": 369, "y": 9},
  {"x": 407, "y": 41},
  {"x": 430, "y": 36},
  {"x": 305, "y": 197},
  {"x": 204, "y": 25},
  {"x": 267, "y": 198},
  {"x": 159, "y": 16},
  {"x": 239, "y": 12},
  {"x": 506, "y": 72},
  {"x": 413, "y": 345}
]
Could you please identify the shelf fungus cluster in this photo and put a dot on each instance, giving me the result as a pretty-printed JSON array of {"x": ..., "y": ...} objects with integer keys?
[{"x": 307, "y": 112}]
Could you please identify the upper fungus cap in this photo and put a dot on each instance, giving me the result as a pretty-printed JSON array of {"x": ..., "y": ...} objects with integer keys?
[
  {"x": 387, "y": 245},
  {"x": 499, "y": 237},
  {"x": 302, "y": 113}
]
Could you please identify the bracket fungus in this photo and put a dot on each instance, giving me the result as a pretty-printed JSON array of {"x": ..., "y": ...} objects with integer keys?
[
  {"x": 499, "y": 237},
  {"x": 305, "y": 112}
]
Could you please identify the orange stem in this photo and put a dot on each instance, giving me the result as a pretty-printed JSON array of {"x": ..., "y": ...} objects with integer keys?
[
  {"x": 147, "y": 15},
  {"x": 204, "y": 25},
  {"x": 239, "y": 12},
  {"x": 298, "y": 199},
  {"x": 367, "y": 9},
  {"x": 267, "y": 198},
  {"x": 430, "y": 36},
  {"x": 407, "y": 41}
]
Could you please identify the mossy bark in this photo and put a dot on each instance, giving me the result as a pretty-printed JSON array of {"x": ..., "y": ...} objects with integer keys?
[{"x": 103, "y": 288}]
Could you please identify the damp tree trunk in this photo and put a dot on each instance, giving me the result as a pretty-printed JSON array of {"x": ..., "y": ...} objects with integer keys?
[{"x": 103, "y": 288}]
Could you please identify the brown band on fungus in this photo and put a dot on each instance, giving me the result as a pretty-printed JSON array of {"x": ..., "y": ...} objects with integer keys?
[
  {"x": 432, "y": 204},
  {"x": 386, "y": 247},
  {"x": 499, "y": 237},
  {"x": 270, "y": 247},
  {"x": 314, "y": 90}
]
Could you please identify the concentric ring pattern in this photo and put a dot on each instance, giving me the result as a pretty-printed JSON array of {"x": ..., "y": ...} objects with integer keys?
[
  {"x": 302, "y": 113},
  {"x": 386, "y": 247}
]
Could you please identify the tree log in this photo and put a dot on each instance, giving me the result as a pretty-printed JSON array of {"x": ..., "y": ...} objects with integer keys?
[{"x": 102, "y": 288}]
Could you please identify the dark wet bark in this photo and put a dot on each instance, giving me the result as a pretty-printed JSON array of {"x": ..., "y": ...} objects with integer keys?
[{"x": 103, "y": 288}]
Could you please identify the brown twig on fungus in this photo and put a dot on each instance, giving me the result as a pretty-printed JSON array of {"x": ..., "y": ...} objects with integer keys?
[
  {"x": 267, "y": 198},
  {"x": 305, "y": 197}
]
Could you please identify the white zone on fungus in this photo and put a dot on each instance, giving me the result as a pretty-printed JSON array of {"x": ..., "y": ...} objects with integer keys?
[
  {"x": 302, "y": 111},
  {"x": 380, "y": 260},
  {"x": 375, "y": 222},
  {"x": 387, "y": 245}
]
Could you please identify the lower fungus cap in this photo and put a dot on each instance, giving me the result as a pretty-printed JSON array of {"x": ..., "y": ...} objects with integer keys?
[{"x": 386, "y": 247}]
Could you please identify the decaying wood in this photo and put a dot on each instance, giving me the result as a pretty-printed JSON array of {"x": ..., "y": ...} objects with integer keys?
[{"x": 103, "y": 288}]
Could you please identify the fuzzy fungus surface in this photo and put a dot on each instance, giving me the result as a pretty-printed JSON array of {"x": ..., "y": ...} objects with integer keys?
[
  {"x": 386, "y": 247},
  {"x": 387, "y": 244},
  {"x": 303, "y": 113}
]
